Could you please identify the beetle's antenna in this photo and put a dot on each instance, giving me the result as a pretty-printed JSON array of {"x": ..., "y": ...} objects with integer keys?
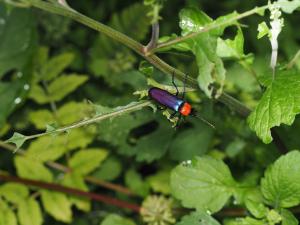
[{"x": 202, "y": 119}]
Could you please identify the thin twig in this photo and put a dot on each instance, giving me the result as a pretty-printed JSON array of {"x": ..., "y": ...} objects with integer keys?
[
  {"x": 210, "y": 27},
  {"x": 72, "y": 191}
]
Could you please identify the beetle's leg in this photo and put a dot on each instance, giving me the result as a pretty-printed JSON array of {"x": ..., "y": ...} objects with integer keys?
[{"x": 173, "y": 82}]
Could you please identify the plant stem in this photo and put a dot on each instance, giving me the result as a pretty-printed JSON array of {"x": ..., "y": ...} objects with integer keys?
[
  {"x": 209, "y": 28},
  {"x": 65, "y": 169},
  {"x": 113, "y": 114},
  {"x": 226, "y": 99},
  {"x": 72, "y": 191},
  {"x": 134, "y": 45}
]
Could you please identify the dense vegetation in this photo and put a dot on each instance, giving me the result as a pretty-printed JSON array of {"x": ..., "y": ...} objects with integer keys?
[{"x": 82, "y": 143}]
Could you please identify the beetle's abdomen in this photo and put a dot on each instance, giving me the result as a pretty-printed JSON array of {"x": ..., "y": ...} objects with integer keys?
[{"x": 165, "y": 98}]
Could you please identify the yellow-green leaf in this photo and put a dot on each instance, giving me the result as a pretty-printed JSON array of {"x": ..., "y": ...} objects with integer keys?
[
  {"x": 57, "y": 205},
  {"x": 29, "y": 168},
  {"x": 64, "y": 85},
  {"x": 7, "y": 216},
  {"x": 29, "y": 212},
  {"x": 85, "y": 161},
  {"x": 13, "y": 192}
]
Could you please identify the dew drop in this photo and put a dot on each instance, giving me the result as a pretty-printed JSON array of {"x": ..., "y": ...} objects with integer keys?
[
  {"x": 18, "y": 100},
  {"x": 26, "y": 87},
  {"x": 2, "y": 21},
  {"x": 19, "y": 74},
  {"x": 208, "y": 212}
]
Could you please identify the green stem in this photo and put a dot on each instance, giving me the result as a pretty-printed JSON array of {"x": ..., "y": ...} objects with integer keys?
[
  {"x": 134, "y": 45},
  {"x": 208, "y": 28},
  {"x": 113, "y": 114}
]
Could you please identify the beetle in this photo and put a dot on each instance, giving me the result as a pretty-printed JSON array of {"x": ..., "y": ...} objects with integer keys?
[
  {"x": 175, "y": 103},
  {"x": 170, "y": 101}
]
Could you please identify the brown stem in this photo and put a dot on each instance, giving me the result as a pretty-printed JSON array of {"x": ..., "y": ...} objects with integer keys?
[
  {"x": 72, "y": 191},
  {"x": 65, "y": 169}
]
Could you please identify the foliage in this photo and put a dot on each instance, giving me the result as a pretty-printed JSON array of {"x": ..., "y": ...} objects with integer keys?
[{"x": 88, "y": 151}]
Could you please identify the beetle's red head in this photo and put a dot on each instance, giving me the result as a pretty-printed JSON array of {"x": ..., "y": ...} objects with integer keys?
[{"x": 186, "y": 109}]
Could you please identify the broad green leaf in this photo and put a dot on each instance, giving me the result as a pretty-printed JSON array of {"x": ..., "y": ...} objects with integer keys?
[
  {"x": 288, "y": 218},
  {"x": 53, "y": 147},
  {"x": 55, "y": 66},
  {"x": 12, "y": 95},
  {"x": 85, "y": 161},
  {"x": 204, "y": 183},
  {"x": 57, "y": 205},
  {"x": 198, "y": 218},
  {"x": 288, "y": 6},
  {"x": 211, "y": 70},
  {"x": 195, "y": 141},
  {"x": 13, "y": 192},
  {"x": 31, "y": 169},
  {"x": 279, "y": 104},
  {"x": 77, "y": 181},
  {"x": 17, "y": 139},
  {"x": 273, "y": 217},
  {"x": 7, "y": 215},
  {"x": 280, "y": 185},
  {"x": 109, "y": 170},
  {"x": 114, "y": 219},
  {"x": 29, "y": 212},
  {"x": 160, "y": 182},
  {"x": 263, "y": 30},
  {"x": 64, "y": 85},
  {"x": 17, "y": 38},
  {"x": 246, "y": 221},
  {"x": 255, "y": 204},
  {"x": 135, "y": 182}
]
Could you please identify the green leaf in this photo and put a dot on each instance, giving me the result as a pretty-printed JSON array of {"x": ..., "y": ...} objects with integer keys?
[
  {"x": 254, "y": 203},
  {"x": 288, "y": 218},
  {"x": 246, "y": 221},
  {"x": 55, "y": 66},
  {"x": 40, "y": 118},
  {"x": 204, "y": 46},
  {"x": 29, "y": 212},
  {"x": 198, "y": 218},
  {"x": 53, "y": 147},
  {"x": 7, "y": 215},
  {"x": 109, "y": 170},
  {"x": 17, "y": 38},
  {"x": 263, "y": 30},
  {"x": 232, "y": 48},
  {"x": 280, "y": 185},
  {"x": 29, "y": 168},
  {"x": 13, "y": 192},
  {"x": 114, "y": 219},
  {"x": 160, "y": 182},
  {"x": 190, "y": 140},
  {"x": 64, "y": 85},
  {"x": 204, "y": 184},
  {"x": 135, "y": 182},
  {"x": 57, "y": 205},
  {"x": 17, "y": 139},
  {"x": 288, "y": 6},
  {"x": 12, "y": 95},
  {"x": 279, "y": 104},
  {"x": 273, "y": 217},
  {"x": 77, "y": 181},
  {"x": 85, "y": 161}
]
